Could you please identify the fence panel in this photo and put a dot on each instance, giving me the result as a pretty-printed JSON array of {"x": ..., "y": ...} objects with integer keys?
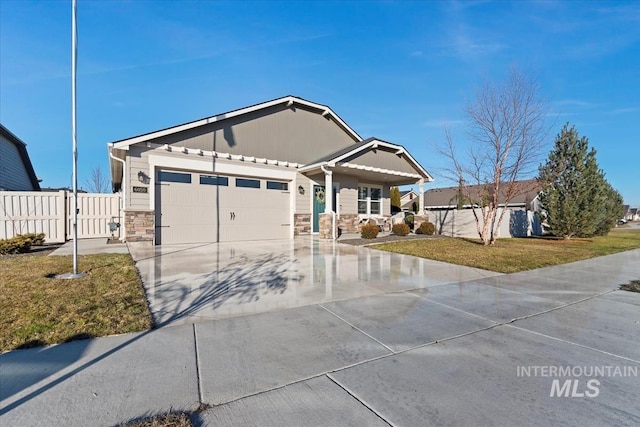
[
  {"x": 23, "y": 212},
  {"x": 95, "y": 211}
]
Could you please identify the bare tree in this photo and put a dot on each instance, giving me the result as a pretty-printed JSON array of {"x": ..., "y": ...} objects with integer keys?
[
  {"x": 98, "y": 182},
  {"x": 507, "y": 129}
]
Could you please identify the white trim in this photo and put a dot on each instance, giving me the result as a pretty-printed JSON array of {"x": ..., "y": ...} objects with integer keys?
[
  {"x": 379, "y": 170},
  {"x": 288, "y": 100},
  {"x": 373, "y": 144}
]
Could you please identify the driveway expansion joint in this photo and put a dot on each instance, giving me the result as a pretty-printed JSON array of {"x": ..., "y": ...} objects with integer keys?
[
  {"x": 362, "y": 402},
  {"x": 197, "y": 356},
  {"x": 358, "y": 329}
]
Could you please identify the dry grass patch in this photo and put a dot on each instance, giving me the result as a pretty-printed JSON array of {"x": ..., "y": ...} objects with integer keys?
[
  {"x": 513, "y": 255},
  {"x": 168, "y": 420},
  {"x": 39, "y": 310},
  {"x": 633, "y": 286}
]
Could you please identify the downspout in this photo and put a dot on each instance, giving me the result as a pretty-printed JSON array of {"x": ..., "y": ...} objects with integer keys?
[
  {"x": 123, "y": 187},
  {"x": 333, "y": 211}
]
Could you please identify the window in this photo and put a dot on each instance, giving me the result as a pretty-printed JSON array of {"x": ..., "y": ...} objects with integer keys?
[
  {"x": 247, "y": 183},
  {"x": 275, "y": 185},
  {"x": 376, "y": 197},
  {"x": 370, "y": 200},
  {"x": 165, "y": 176},
  {"x": 214, "y": 180},
  {"x": 363, "y": 193}
]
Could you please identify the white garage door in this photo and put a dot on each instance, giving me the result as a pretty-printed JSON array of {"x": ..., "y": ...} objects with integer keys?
[{"x": 193, "y": 207}]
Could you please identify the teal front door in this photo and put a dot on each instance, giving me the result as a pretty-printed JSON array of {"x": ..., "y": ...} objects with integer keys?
[{"x": 319, "y": 200}]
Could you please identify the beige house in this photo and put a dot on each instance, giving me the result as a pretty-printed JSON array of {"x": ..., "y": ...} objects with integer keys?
[{"x": 270, "y": 171}]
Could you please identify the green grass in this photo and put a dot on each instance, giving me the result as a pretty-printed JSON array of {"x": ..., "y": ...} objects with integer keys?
[
  {"x": 40, "y": 310},
  {"x": 518, "y": 254}
]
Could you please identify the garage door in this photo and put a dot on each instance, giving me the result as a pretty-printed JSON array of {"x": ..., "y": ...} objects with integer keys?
[{"x": 193, "y": 207}]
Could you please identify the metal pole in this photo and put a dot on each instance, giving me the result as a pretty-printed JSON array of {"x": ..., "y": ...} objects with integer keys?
[{"x": 74, "y": 56}]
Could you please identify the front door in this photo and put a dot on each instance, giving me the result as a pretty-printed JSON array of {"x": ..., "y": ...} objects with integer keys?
[{"x": 319, "y": 201}]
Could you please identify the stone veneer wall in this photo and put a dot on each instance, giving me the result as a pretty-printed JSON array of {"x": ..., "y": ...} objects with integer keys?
[
  {"x": 326, "y": 224},
  {"x": 348, "y": 223},
  {"x": 139, "y": 225},
  {"x": 301, "y": 224}
]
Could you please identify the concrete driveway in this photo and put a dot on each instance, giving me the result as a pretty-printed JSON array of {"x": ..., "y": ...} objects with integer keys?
[
  {"x": 187, "y": 283},
  {"x": 358, "y": 337}
]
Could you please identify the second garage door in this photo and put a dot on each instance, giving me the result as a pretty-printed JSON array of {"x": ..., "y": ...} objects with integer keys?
[{"x": 196, "y": 208}]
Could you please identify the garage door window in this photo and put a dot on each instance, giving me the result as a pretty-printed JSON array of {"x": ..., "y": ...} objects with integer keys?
[
  {"x": 214, "y": 180},
  {"x": 275, "y": 185},
  {"x": 165, "y": 176},
  {"x": 247, "y": 183}
]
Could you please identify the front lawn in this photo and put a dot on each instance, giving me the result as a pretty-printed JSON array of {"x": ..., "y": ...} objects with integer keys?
[
  {"x": 519, "y": 254},
  {"x": 39, "y": 310}
]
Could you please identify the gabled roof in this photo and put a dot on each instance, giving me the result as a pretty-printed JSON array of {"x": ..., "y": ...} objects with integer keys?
[
  {"x": 406, "y": 193},
  {"x": 370, "y": 143},
  {"x": 22, "y": 150},
  {"x": 525, "y": 192},
  {"x": 288, "y": 100}
]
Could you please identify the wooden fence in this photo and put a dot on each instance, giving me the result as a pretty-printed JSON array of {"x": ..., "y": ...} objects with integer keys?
[{"x": 50, "y": 213}]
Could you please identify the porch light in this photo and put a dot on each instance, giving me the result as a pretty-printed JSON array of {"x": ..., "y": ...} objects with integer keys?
[{"x": 301, "y": 190}]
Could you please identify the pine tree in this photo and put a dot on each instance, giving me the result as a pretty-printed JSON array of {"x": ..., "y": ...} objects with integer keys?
[
  {"x": 395, "y": 199},
  {"x": 577, "y": 199}
]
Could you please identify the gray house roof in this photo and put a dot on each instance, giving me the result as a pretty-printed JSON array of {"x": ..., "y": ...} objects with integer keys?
[
  {"x": 446, "y": 198},
  {"x": 24, "y": 156}
]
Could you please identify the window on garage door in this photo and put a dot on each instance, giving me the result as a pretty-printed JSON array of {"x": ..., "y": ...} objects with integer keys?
[
  {"x": 164, "y": 176},
  {"x": 214, "y": 180},
  {"x": 247, "y": 183},
  {"x": 277, "y": 185}
]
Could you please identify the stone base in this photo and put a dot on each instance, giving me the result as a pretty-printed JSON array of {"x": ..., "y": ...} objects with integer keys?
[
  {"x": 139, "y": 225},
  {"x": 326, "y": 226},
  {"x": 301, "y": 224},
  {"x": 348, "y": 223}
]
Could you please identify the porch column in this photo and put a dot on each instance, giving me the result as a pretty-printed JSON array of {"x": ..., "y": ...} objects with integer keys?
[
  {"x": 328, "y": 189},
  {"x": 421, "y": 196}
]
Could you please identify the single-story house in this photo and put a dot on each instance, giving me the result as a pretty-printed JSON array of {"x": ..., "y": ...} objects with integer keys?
[
  {"x": 451, "y": 209},
  {"x": 274, "y": 170},
  {"x": 16, "y": 170},
  {"x": 409, "y": 200}
]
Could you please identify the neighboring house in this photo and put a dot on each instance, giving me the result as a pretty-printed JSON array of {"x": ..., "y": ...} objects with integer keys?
[
  {"x": 269, "y": 171},
  {"x": 634, "y": 214},
  {"x": 625, "y": 212},
  {"x": 409, "y": 199},
  {"x": 16, "y": 171},
  {"x": 453, "y": 215}
]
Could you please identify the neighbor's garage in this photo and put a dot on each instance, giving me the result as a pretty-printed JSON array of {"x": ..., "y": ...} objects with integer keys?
[{"x": 194, "y": 207}]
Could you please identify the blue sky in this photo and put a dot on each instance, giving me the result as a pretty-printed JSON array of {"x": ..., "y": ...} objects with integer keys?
[{"x": 399, "y": 71}]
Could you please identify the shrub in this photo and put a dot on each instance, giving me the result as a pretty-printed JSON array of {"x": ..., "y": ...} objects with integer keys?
[
  {"x": 36, "y": 239},
  {"x": 15, "y": 245},
  {"x": 400, "y": 229},
  {"x": 426, "y": 228},
  {"x": 369, "y": 231}
]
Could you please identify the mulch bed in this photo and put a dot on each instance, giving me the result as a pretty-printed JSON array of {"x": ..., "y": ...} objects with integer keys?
[{"x": 386, "y": 239}]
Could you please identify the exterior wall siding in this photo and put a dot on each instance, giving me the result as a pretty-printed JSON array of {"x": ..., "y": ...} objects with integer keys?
[
  {"x": 13, "y": 174},
  {"x": 382, "y": 159},
  {"x": 279, "y": 133}
]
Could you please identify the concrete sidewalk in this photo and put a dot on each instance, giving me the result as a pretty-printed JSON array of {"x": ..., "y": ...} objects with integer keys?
[
  {"x": 449, "y": 354},
  {"x": 92, "y": 246}
]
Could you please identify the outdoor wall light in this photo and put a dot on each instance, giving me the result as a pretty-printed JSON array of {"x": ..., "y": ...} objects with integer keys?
[
  {"x": 301, "y": 189},
  {"x": 143, "y": 177}
]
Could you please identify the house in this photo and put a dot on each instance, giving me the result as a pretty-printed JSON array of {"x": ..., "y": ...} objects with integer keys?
[
  {"x": 625, "y": 212},
  {"x": 16, "y": 171},
  {"x": 634, "y": 214},
  {"x": 452, "y": 209},
  {"x": 409, "y": 200},
  {"x": 274, "y": 170}
]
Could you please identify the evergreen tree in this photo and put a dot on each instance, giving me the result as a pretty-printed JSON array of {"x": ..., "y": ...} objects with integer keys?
[
  {"x": 395, "y": 199},
  {"x": 578, "y": 200}
]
